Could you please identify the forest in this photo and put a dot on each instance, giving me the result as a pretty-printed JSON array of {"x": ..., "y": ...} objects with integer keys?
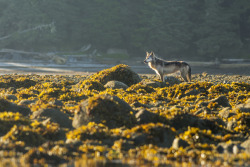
[{"x": 194, "y": 29}]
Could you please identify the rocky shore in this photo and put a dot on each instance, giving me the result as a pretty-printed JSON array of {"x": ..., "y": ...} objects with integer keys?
[{"x": 117, "y": 116}]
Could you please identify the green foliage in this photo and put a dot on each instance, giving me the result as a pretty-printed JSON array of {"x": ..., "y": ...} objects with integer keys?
[{"x": 196, "y": 29}]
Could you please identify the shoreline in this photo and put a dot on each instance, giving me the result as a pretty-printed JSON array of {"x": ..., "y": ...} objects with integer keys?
[{"x": 140, "y": 69}]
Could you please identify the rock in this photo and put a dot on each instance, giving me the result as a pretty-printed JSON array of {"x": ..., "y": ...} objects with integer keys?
[
  {"x": 5, "y": 105},
  {"x": 177, "y": 143},
  {"x": 59, "y": 60},
  {"x": 121, "y": 73},
  {"x": 124, "y": 145},
  {"x": 236, "y": 149},
  {"x": 144, "y": 116},
  {"x": 153, "y": 84},
  {"x": 106, "y": 109},
  {"x": 140, "y": 88},
  {"x": 221, "y": 100},
  {"x": 220, "y": 149},
  {"x": 201, "y": 99},
  {"x": 202, "y": 104},
  {"x": 246, "y": 145},
  {"x": 225, "y": 113},
  {"x": 55, "y": 115},
  {"x": 231, "y": 125},
  {"x": 56, "y": 103},
  {"x": 152, "y": 133},
  {"x": 139, "y": 138},
  {"x": 26, "y": 102},
  {"x": 11, "y": 90},
  {"x": 184, "y": 120},
  {"x": 36, "y": 155},
  {"x": 203, "y": 110},
  {"x": 11, "y": 97},
  {"x": 172, "y": 80},
  {"x": 138, "y": 104},
  {"x": 116, "y": 85},
  {"x": 243, "y": 107},
  {"x": 231, "y": 148},
  {"x": 91, "y": 85},
  {"x": 192, "y": 92}
]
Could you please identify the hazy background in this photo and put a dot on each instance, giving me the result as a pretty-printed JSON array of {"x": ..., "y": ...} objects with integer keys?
[{"x": 104, "y": 30}]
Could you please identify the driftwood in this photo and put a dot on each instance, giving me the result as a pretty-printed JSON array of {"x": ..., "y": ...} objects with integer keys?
[{"x": 36, "y": 55}]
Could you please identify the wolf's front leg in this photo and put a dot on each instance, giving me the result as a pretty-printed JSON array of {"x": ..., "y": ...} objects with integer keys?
[{"x": 162, "y": 77}]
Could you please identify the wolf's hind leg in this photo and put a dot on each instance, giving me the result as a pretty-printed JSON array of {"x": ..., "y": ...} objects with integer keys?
[
  {"x": 184, "y": 75},
  {"x": 188, "y": 76},
  {"x": 161, "y": 76}
]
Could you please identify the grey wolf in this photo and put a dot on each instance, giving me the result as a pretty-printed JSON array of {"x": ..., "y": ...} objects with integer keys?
[{"x": 162, "y": 67}]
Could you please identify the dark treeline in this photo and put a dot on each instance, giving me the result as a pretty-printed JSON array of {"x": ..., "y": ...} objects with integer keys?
[{"x": 193, "y": 29}]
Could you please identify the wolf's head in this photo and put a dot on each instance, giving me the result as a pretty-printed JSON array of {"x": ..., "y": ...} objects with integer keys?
[{"x": 150, "y": 56}]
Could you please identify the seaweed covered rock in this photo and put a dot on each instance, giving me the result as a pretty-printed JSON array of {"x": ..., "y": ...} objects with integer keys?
[
  {"x": 6, "y": 105},
  {"x": 153, "y": 84},
  {"x": 172, "y": 80},
  {"x": 9, "y": 119},
  {"x": 221, "y": 100},
  {"x": 54, "y": 115},
  {"x": 121, "y": 73},
  {"x": 90, "y": 131},
  {"x": 106, "y": 109},
  {"x": 91, "y": 85},
  {"x": 151, "y": 133},
  {"x": 19, "y": 82},
  {"x": 245, "y": 107},
  {"x": 185, "y": 120},
  {"x": 23, "y": 133},
  {"x": 141, "y": 88},
  {"x": 41, "y": 156}
]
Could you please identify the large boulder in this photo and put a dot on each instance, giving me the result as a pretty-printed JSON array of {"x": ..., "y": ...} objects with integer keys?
[{"x": 106, "y": 109}]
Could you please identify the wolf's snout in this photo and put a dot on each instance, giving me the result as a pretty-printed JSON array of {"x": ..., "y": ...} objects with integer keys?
[{"x": 145, "y": 61}]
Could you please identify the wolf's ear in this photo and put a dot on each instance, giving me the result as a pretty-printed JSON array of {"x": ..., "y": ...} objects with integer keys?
[{"x": 152, "y": 53}]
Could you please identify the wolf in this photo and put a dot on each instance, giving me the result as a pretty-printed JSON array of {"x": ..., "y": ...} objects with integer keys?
[{"x": 162, "y": 67}]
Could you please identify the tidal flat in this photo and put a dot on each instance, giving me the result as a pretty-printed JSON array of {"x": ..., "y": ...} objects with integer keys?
[{"x": 119, "y": 117}]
